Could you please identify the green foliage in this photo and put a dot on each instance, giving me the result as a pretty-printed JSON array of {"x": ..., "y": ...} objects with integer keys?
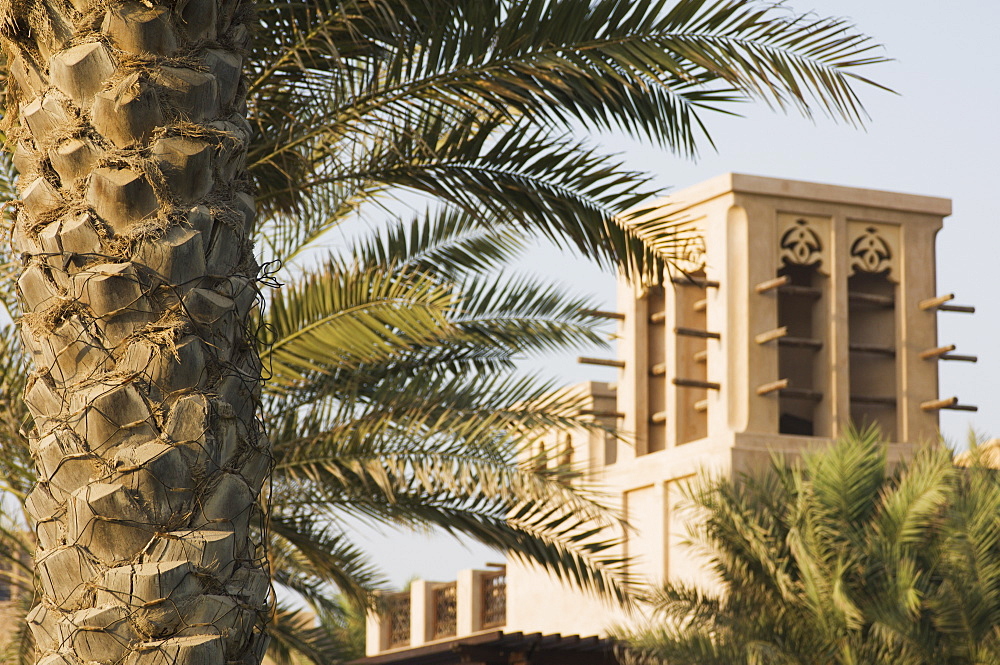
[
  {"x": 474, "y": 104},
  {"x": 844, "y": 558}
]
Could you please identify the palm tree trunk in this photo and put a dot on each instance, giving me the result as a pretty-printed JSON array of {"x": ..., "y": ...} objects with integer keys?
[{"x": 133, "y": 232}]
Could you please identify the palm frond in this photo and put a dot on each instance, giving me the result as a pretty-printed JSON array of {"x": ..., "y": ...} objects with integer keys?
[{"x": 348, "y": 317}]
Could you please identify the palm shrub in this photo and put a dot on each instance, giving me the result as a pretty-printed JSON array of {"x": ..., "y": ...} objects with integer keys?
[{"x": 840, "y": 558}]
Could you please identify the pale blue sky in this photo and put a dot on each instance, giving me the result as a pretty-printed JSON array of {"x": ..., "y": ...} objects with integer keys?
[{"x": 938, "y": 137}]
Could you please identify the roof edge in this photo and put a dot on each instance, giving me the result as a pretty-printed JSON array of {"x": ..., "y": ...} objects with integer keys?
[{"x": 743, "y": 183}]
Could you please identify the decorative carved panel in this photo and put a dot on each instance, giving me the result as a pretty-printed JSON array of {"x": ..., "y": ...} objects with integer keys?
[
  {"x": 870, "y": 252},
  {"x": 803, "y": 240},
  {"x": 691, "y": 253},
  {"x": 445, "y": 610},
  {"x": 397, "y": 608},
  {"x": 800, "y": 245},
  {"x": 494, "y": 600}
]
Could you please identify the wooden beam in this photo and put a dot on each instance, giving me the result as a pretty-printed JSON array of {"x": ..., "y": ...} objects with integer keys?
[
  {"x": 658, "y": 418},
  {"x": 932, "y": 303},
  {"x": 771, "y": 284},
  {"x": 796, "y": 290},
  {"x": 605, "y": 362},
  {"x": 767, "y": 388},
  {"x": 870, "y": 348},
  {"x": 871, "y": 299},
  {"x": 694, "y": 332},
  {"x": 602, "y": 414},
  {"x": 659, "y": 369},
  {"x": 603, "y": 314},
  {"x": 801, "y": 393},
  {"x": 771, "y": 335},
  {"x": 695, "y": 281},
  {"x": 873, "y": 399},
  {"x": 696, "y": 383},
  {"x": 956, "y": 356},
  {"x": 966, "y": 309},
  {"x": 934, "y": 354},
  {"x": 657, "y": 317},
  {"x": 803, "y": 342},
  {"x": 937, "y": 404}
]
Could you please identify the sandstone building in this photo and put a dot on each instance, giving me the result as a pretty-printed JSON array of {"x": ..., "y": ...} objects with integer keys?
[{"x": 797, "y": 308}]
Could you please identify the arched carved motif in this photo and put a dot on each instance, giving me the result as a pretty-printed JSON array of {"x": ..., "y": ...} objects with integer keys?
[
  {"x": 800, "y": 245},
  {"x": 870, "y": 253},
  {"x": 691, "y": 253}
]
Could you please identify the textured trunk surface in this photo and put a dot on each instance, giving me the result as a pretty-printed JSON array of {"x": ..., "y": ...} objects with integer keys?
[{"x": 137, "y": 280}]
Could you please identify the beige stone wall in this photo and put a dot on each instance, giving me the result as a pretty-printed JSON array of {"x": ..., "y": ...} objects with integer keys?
[
  {"x": 753, "y": 230},
  {"x": 816, "y": 285}
]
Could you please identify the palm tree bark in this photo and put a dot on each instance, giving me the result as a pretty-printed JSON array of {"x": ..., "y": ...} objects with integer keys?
[{"x": 137, "y": 281}]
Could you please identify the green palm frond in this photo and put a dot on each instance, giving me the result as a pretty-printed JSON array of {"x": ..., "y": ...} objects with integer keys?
[
  {"x": 17, "y": 474},
  {"x": 397, "y": 78},
  {"x": 348, "y": 317},
  {"x": 295, "y": 635},
  {"x": 447, "y": 241},
  {"x": 847, "y": 481},
  {"x": 502, "y": 174},
  {"x": 312, "y": 558},
  {"x": 843, "y": 559},
  {"x": 641, "y": 68},
  {"x": 428, "y": 412}
]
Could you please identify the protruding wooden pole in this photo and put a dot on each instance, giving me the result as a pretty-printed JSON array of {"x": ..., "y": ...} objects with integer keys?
[
  {"x": 771, "y": 335},
  {"x": 694, "y": 332},
  {"x": 603, "y": 314},
  {"x": 931, "y": 303},
  {"x": 772, "y": 284},
  {"x": 604, "y": 362},
  {"x": 934, "y": 354},
  {"x": 965, "y": 309},
  {"x": 956, "y": 356},
  {"x": 696, "y": 383},
  {"x": 603, "y": 414},
  {"x": 695, "y": 281},
  {"x": 768, "y": 388},
  {"x": 937, "y": 404}
]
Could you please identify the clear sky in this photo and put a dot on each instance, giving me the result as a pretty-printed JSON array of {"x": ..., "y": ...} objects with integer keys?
[{"x": 939, "y": 136}]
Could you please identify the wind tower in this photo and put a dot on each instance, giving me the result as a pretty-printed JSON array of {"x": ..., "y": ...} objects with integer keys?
[{"x": 798, "y": 308}]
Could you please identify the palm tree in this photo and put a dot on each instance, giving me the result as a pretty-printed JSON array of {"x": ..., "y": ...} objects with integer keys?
[
  {"x": 136, "y": 214},
  {"x": 841, "y": 559},
  {"x": 409, "y": 433},
  {"x": 422, "y": 431}
]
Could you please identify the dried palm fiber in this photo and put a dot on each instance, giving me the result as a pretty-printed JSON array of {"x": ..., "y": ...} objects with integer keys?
[{"x": 127, "y": 120}]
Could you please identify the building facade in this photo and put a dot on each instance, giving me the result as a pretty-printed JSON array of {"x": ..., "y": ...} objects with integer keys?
[{"x": 796, "y": 309}]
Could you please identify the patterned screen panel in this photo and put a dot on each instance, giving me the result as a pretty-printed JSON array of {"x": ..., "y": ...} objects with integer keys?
[
  {"x": 445, "y": 611},
  {"x": 398, "y": 616},
  {"x": 494, "y": 600}
]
